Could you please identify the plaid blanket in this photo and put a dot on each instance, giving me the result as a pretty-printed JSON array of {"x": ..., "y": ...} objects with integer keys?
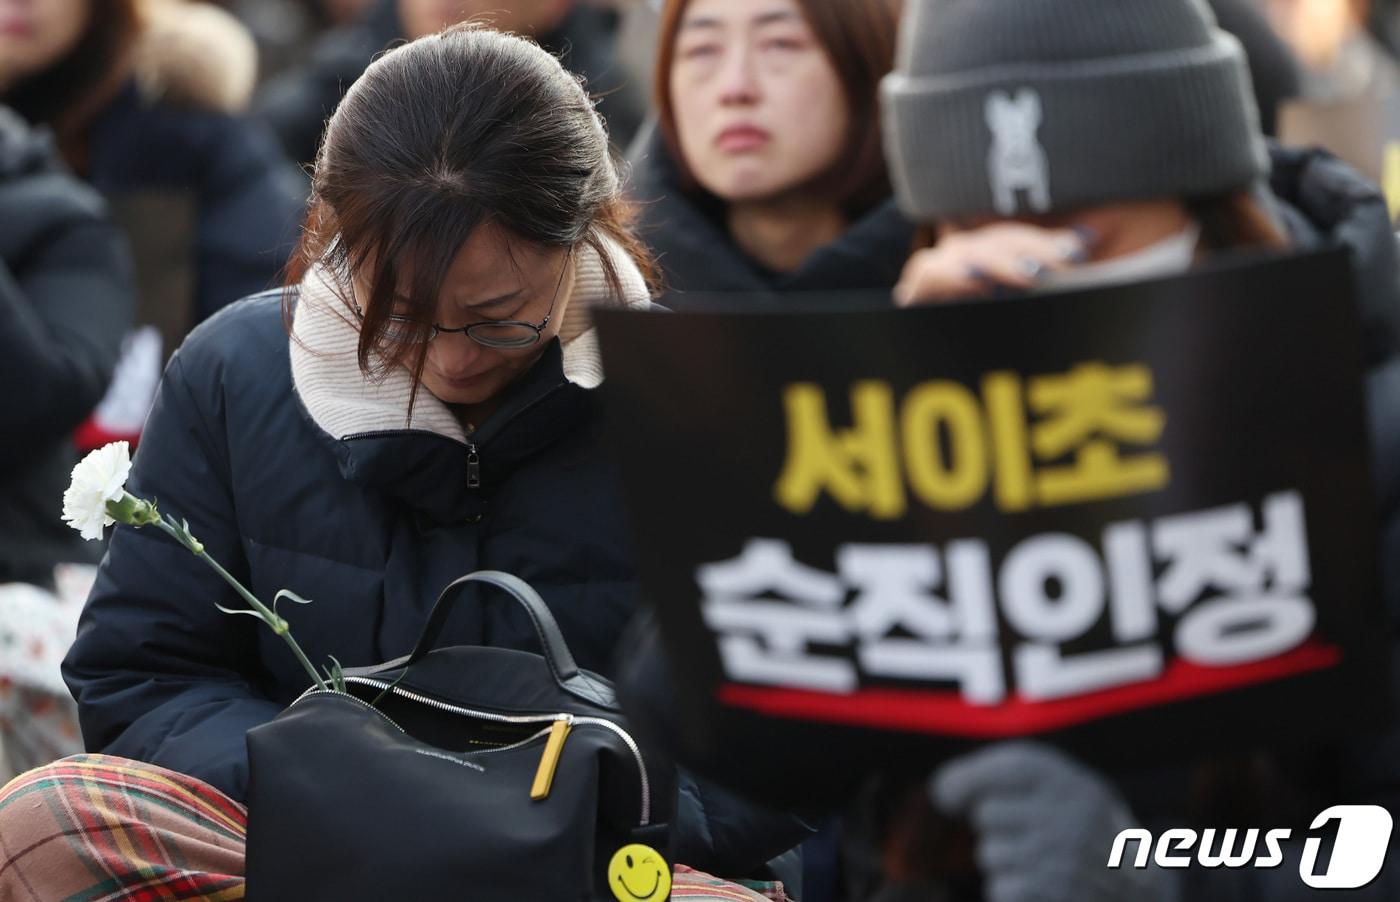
[
  {"x": 689, "y": 883},
  {"x": 93, "y": 828}
]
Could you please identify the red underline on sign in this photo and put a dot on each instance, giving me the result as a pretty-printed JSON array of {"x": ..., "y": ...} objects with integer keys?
[{"x": 922, "y": 711}]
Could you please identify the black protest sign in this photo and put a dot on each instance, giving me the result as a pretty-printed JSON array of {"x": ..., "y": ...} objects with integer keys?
[{"x": 1136, "y": 521}]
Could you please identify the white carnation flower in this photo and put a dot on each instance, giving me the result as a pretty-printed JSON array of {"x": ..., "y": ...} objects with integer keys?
[{"x": 98, "y": 478}]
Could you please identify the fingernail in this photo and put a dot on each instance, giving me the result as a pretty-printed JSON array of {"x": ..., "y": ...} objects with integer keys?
[
  {"x": 903, "y": 294},
  {"x": 1030, "y": 267},
  {"x": 1089, "y": 237},
  {"x": 1072, "y": 250},
  {"x": 978, "y": 273}
]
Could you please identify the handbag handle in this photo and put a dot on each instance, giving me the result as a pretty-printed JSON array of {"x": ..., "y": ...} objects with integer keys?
[{"x": 556, "y": 650}]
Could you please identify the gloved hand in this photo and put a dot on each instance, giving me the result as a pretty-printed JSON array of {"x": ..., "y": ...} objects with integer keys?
[{"x": 1045, "y": 826}]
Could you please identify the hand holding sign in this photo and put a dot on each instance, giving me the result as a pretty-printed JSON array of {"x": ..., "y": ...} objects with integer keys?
[{"x": 1009, "y": 793}]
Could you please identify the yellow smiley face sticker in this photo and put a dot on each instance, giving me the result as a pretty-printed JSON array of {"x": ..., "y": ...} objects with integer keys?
[{"x": 638, "y": 873}]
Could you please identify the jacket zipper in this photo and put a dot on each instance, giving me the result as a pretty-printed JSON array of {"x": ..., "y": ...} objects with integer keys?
[
  {"x": 473, "y": 467},
  {"x": 474, "y": 456},
  {"x": 551, "y": 749}
]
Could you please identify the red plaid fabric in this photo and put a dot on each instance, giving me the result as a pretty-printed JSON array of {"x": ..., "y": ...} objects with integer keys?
[
  {"x": 93, "y": 828},
  {"x": 692, "y": 884}
]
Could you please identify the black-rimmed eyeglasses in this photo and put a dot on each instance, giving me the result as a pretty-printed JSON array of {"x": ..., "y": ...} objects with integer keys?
[{"x": 503, "y": 334}]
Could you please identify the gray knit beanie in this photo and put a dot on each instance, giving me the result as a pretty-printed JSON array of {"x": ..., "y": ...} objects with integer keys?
[{"x": 1016, "y": 107}]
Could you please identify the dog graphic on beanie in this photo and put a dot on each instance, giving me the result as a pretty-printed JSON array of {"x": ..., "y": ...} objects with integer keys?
[{"x": 1017, "y": 161}]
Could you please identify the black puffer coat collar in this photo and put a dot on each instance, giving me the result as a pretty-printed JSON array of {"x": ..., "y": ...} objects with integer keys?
[
  {"x": 1327, "y": 203},
  {"x": 424, "y": 460},
  {"x": 698, "y": 256}
]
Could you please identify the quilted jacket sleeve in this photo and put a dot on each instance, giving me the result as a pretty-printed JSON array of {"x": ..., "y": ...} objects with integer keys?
[{"x": 160, "y": 674}]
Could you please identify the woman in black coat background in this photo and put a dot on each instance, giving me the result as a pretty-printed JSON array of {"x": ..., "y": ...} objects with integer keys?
[
  {"x": 763, "y": 174},
  {"x": 297, "y": 102},
  {"x": 144, "y": 98},
  {"x": 66, "y": 297},
  {"x": 145, "y": 101}
]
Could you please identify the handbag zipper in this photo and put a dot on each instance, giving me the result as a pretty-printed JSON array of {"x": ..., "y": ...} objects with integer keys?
[
  {"x": 563, "y": 719},
  {"x": 636, "y": 753},
  {"x": 361, "y": 702},
  {"x": 567, "y": 719}
]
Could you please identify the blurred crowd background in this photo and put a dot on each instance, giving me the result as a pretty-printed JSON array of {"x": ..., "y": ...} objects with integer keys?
[{"x": 194, "y": 124}]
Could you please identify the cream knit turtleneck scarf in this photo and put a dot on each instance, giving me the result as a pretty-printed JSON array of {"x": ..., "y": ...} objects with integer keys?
[{"x": 343, "y": 401}]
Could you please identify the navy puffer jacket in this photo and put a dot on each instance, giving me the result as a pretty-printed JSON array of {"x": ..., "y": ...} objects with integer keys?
[{"x": 296, "y": 472}]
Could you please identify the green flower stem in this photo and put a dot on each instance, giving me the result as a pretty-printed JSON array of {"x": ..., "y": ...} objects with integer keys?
[{"x": 278, "y": 625}]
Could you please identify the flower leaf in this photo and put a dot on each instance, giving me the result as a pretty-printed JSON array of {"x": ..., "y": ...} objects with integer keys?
[
  {"x": 291, "y": 596},
  {"x": 193, "y": 544},
  {"x": 239, "y": 611},
  {"x": 335, "y": 674}
]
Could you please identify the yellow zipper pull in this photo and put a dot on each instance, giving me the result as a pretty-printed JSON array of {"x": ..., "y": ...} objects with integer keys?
[{"x": 549, "y": 761}]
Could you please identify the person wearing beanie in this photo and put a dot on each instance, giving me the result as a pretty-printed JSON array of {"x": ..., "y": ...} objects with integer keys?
[
  {"x": 1093, "y": 130},
  {"x": 1073, "y": 143},
  {"x": 1274, "y": 71},
  {"x": 1342, "y": 58}
]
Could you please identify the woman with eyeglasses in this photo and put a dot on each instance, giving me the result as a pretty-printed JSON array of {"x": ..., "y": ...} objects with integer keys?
[{"x": 416, "y": 404}]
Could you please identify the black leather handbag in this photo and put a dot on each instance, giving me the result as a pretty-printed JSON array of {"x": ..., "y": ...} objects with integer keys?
[{"x": 465, "y": 772}]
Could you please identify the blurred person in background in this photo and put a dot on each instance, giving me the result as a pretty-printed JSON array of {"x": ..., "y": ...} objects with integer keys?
[
  {"x": 335, "y": 13},
  {"x": 764, "y": 173},
  {"x": 144, "y": 99},
  {"x": 297, "y": 103},
  {"x": 1273, "y": 69},
  {"x": 284, "y": 30},
  {"x": 66, "y": 297},
  {"x": 146, "y": 96},
  {"x": 1385, "y": 23},
  {"x": 1341, "y": 59},
  {"x": 1134, "y": 193}
]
